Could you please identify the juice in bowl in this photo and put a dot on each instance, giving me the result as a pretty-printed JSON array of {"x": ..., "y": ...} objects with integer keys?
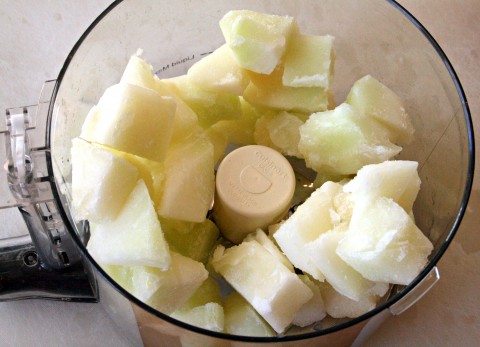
[{"x": 398, "y": 56}]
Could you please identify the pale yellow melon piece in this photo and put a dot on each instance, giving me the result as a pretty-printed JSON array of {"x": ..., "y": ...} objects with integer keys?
[
  {"x": 193, "y": 240},
  {"x": 219, "y": 72},
  {"x": 132, "y": 119},
  {"x": 314, "y": 309},
  {"x": 269, "y": 91},
  {"x": 209, "y": 291},
  {"x": 240, "y": 132},
  {"x": 279, "y": 132},
  {"x": 134, "y": 237},
  {"x": 209, "y": 316},
  {"x": 101, "y": 182},
  {"x": 378, "y": 101},
  {"x": 262, "y": 238},
  {"x": 339, "y": 274},
  {"x": 257, "y": 40},
  {"x": 140, "y": 73},
  {"x": 307, "y": 223},
  {"x": 174, "y": 286},
  {"x": 342, "y": 141},
  {"x": 210, "y": 107},
  {"x": 309, "y": 61},
  {"x": 123, "y": 275},
  {"x": 383, "y": 243},
  {"x": 219, "y": 141},
  {"x": 151, "y": 172},
  {"x": 273, "y": 290},
  {"x": 339, "y": 306},
  {"x": 397, "y": 180},
  {"x": 189, "y": 180},
  {"x": 242, "y": 319}
]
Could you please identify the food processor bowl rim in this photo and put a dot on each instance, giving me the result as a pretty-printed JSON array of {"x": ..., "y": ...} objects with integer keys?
[{"x": 283, "y": 338}]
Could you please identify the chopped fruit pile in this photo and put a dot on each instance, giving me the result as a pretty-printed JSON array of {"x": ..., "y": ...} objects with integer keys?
[{"x": 143, "y": 175}]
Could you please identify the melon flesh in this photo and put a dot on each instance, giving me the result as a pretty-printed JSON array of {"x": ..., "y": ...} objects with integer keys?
[
  {"x": 210, "y": 107},
  {"x": 309, "y": 61},
  {"x": 269, "y": 91},
  {"x": 272, "y": 289},
  {"x": 101, "y": 182},
  {"x": 209, "y": 316},
  {"x": 132, "y": 119},
  {"x": 383, "y": 243},
  {"x": 219, "y": 72},
  {"x": 242, "y": 319},
  {"x": 140, "y": 73},
  {"x": 314, "y": 309},
  {"x": 189, "y": 181},
  {"x": 397, "y": 180},
  {"x": 379, "y": 102},
  {"x": 257, "y": 40},
  {"x": 134, "y": 237},
  {"x": 342, "y": 141}
]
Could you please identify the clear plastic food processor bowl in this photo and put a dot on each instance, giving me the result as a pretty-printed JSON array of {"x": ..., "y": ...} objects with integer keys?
[{"x": 371, "y": 37}]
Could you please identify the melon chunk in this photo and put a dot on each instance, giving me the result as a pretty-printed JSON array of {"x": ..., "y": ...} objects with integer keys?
[
  {"x": 219, "y": 72},
  {"x": 309, "y": 61},
  {"x": 339, "y": 274},
  {"x": 269, "y": 91},
  {"x": 383, "y": 243},
  {"x": 280, "y": 132},
  {"x": 268, "y": 244},
  {"x": 242, "y": 319},
  {"x": 210, "y": 107},
  {"x": 140, "y": 73},
  {"x": 209, "y": 316},
  {"x": 209, "y": 291},
  {"x": 132, "y": 119},
  {"x": 240, "y": 131},
  {"x": 151, "y": 172},
  {"x": 257, "y": 40},
  {"x": 189, "y": 180},
  {"x": 397, "y": 180},
  {"x": 307, "y": 223},
  {"x": 219, "y": 141},
  {"x": 376, "y": 100},
  {"x": 101, "y": 181},
  {"x": 193, "y": 240},
  {"x": 342, "y": 141},
  {"x": 314, "y": 309},
  {"x": 272, "y": 289},
  {"x": 134, "y": 237}
]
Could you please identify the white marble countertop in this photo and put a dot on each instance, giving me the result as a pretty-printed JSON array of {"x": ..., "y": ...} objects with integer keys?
[{"x": 36, "y": 37}]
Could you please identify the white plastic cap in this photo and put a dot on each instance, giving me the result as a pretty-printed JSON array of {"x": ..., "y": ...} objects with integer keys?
[{"x": 254, "y": 188}]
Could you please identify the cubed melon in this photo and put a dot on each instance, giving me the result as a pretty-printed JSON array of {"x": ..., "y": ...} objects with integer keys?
[
  {"x": 140, "y": 73},
  {"x": 101, "y": 181},
  {"x": 189, "y": 180},
  {"x": 132, "y": 119},
  {"x": 273, "y": 290},
  {"x": 309, "y": 61},
  {"x": 342, "y": 141},
  {"x": 339, "y": 274},
  {"x": 209, "y": 316},
  {"x": 280, "y": 132},
  {"x": 269, "y": 91},
  {"x": 257, "y": 40},
  {"x": 383, "y": 243},
  {"x": 219, "y": 141},
  {"x": 193, "y": 240},
  {"x": 242, "y": 319},
  {"x": 307, "y": 223},
  {"x": 209, "y": 291},
  {"x": 219, "y": 72},
  {"x": 396, "y": 179},
  {"x": 210, "y": 107},
  {"x": 240, "y": 131},
  {"x": 134, "y": 237},
  {"x": 314, "y": 309},
  {"x": 378, "y": 101}
]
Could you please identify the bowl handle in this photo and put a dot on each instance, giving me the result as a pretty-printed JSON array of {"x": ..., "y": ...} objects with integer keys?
[{"x": 48, "y": 263}]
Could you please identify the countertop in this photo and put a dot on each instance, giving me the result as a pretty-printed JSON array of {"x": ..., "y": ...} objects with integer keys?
[{"x": 35, "y": 38}]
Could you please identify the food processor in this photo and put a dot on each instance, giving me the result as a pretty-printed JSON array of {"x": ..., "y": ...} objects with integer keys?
[{"x": 372, "y": 37}]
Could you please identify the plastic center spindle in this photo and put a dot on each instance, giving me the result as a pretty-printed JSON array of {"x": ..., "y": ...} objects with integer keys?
[{"x": 254, "y": 188}]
